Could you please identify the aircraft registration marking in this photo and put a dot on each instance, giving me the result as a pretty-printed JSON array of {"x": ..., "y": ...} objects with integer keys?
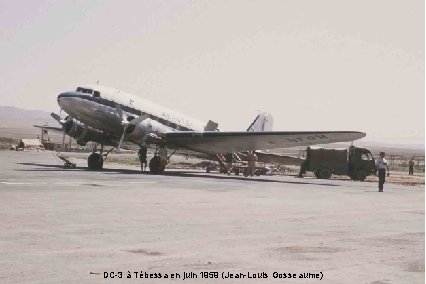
[{"x": 309, "y": 138}]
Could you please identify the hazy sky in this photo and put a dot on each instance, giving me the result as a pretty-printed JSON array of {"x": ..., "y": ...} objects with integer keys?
[{"x": 315, "y": 65}]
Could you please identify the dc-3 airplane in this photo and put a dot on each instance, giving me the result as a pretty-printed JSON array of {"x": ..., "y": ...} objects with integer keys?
[{"x": 108, "y": 116}]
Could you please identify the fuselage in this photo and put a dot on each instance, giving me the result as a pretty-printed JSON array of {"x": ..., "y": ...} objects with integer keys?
[{"x": 96, "y": 106}]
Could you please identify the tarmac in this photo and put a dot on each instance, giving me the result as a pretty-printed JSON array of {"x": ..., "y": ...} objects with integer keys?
[{"x": 78, "y": 226}]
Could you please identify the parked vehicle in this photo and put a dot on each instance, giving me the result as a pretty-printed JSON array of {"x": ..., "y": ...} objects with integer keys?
[{"x": 355, "y": 162}]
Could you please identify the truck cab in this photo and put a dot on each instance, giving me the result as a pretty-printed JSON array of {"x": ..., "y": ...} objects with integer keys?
[{"x": 361, "y": 163}]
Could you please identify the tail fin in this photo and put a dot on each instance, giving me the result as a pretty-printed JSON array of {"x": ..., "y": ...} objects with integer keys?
[{"x": 263, "y": 122}]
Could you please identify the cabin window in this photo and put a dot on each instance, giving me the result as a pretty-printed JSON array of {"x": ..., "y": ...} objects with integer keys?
[
  {"x": 96, "y": 94},
  {"x": 79, "y": 89},
  {"x": 366, "y": 157}
]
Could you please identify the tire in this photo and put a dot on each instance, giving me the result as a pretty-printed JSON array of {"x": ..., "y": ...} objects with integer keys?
[
  {"x": 360, "y": 175},
  {"x": 317, "y": 174},
  {"x": 324, "y": 174},
  {"x": 95, "y": 162},
  {"x": 155, "y": 166}
]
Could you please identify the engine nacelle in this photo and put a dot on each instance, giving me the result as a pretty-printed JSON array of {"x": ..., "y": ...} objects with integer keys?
[
  {"x": 84, "y": 133},
  {"x": 138, "y": 133}
]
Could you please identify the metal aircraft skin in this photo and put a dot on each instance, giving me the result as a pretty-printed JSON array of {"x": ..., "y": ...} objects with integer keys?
[{"x": 108, "y": 116}]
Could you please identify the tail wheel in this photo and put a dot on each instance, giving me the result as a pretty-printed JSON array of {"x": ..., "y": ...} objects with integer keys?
[
  {"x": 95, "y": 161},
  {"x": 324, "y": 174}
]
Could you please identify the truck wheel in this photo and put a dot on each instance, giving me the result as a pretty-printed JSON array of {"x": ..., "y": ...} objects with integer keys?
[
  {"x": 360, "y": 175},
  {"x": 324, "y": 174},
  {"x": 317, "y": 174}
]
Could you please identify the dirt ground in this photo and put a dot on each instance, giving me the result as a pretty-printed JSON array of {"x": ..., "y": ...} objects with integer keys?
[
  {"x": 401, "y": 178},
  {"x": 395, "y": 177}
]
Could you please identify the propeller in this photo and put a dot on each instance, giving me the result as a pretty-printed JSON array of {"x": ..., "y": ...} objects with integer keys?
[
  {"x": 126, "y": 123},
  {"x": 62, "y": 122}
]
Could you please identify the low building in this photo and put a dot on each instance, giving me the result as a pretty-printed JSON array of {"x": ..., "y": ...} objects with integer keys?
[{"x": 29, "y": 144}]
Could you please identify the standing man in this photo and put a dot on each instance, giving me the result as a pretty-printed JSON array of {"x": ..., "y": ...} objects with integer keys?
[
  {"x": 229, "y": 158},
  {"x": 411, "y": 167},
  {"x": 381, "y": 166},
  {"x": 142, "y": 156},
  {"x": 251, "y": 158}
]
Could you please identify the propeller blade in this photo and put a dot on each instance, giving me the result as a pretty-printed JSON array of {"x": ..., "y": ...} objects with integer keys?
[
  {"x": 121, "y": 140},
  {"x": 121, "y": 114},
  {"x": 57, "y": 118},
  {"x": 63, "y": 139},
  {"x": 139, "y": 119}
]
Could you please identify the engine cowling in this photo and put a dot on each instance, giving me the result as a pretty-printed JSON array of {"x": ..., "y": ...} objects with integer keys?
[
  {"x": 138, "y": 133},
  {"x": 84, "y": 133}
]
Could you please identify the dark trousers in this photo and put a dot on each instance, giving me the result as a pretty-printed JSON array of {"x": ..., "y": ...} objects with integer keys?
[
  {"x": 410, "y": 170},
  {"x": 382, "y": 177}
]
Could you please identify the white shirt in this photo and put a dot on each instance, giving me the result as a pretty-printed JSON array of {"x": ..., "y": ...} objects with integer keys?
[{"x": 381, "y": 163}]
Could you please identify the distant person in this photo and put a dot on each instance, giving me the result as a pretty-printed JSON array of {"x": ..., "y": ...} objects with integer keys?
[
  {"x": 229, "y": 158},
  {"x": 381, "y": 166},
  {"x": 142, "y": 156},
  {"x": 303, "y": 168},
  {"x": 411, "y": 167},
  {"x": 251, "y": 158}
]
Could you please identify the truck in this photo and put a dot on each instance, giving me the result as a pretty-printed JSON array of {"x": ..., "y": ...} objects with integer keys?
[{"x": 355, "y": 162}]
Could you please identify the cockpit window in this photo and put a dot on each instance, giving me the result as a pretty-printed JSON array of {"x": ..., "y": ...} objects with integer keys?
[
  {"x": 96, "y": 94},
  {"x": 79, "y": 89}
]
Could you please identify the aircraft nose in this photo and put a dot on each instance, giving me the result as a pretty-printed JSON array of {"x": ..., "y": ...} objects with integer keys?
[{"x": 64, "y": 98}]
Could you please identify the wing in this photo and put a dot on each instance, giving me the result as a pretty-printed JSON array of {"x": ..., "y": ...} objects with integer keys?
[
  {"x": 58, "y": 129},
  {"x": 213, "y": 142}
]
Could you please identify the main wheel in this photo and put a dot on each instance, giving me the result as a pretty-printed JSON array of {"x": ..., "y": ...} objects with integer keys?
[
  {"x": 95, "y": 161},
  {"x": 324, "y": 174},
  {"x": 156, "y": 167}
]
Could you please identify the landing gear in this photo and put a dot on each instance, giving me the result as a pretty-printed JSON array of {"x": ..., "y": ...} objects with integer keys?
[
  {"x": 95, "y": 161},
  {"x": 156, "y": 167},
  {"x": 159, "y": 162}
]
